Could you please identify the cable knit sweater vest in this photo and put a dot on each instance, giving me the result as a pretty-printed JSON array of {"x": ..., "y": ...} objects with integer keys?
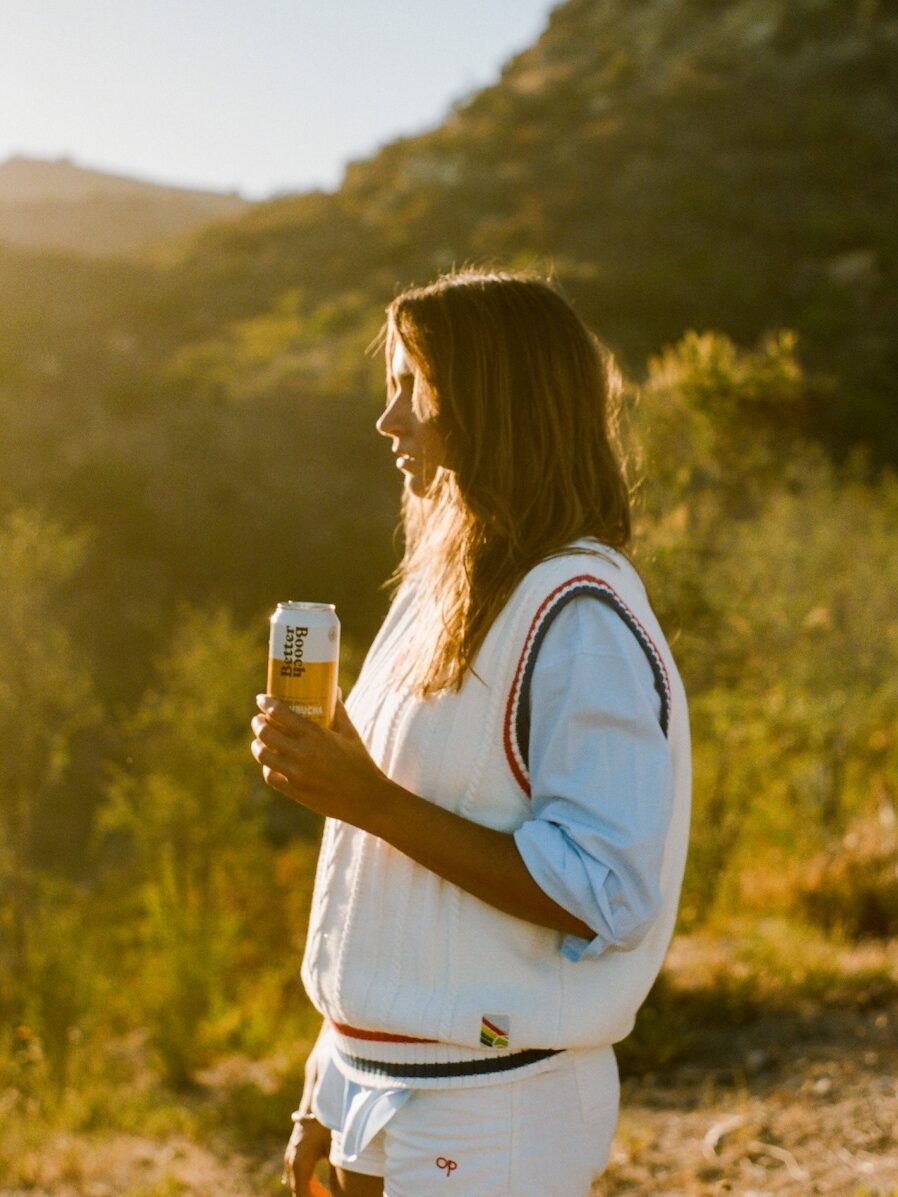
[{"x": 423, "y": 982}]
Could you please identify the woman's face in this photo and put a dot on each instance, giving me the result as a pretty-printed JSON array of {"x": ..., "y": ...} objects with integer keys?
[{"x": 417, "y": 446}]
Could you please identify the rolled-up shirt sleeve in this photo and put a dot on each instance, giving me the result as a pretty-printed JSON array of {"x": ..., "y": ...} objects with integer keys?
[{"x": 601, "y": 779}]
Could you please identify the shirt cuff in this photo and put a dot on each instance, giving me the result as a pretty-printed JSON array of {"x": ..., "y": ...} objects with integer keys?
[{"x": 572, "y": 947}]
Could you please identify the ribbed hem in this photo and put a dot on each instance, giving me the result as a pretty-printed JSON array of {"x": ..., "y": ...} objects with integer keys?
[
  {"x": 448, "y": 1071},
  {"x": 387, "y": 1064}
]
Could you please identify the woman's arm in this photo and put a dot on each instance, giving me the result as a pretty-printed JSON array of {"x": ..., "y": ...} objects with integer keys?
[
  {"x": 478, "y": 859},
  {"x": 309, "y": 1141},
  {"x": 601, "y": 778},
  {"x": 331, "y": 773},
  {"x": 588, "y": 861}
]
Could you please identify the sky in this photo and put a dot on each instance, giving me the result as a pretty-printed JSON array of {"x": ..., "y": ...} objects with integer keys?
[{"x": 255, "y": 96}]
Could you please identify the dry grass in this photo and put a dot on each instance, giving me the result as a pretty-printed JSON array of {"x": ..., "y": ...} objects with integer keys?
[{"x": 129, "y": 1166}]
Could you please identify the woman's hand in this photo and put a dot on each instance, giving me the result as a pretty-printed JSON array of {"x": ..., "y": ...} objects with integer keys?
[
  {"x": 326, "y": 770},
  {"x": 309, "y": 1143}
]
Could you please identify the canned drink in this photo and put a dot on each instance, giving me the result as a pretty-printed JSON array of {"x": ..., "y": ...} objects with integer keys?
[{"x": 303, "y": 658}]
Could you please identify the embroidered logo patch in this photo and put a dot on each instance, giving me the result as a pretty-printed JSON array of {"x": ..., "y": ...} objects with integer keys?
[{"x": 494, "y": 1030}]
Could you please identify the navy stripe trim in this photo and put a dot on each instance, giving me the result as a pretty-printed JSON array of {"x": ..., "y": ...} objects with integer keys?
[
  {"x": 605, "y": 595},
  {"x": 457, "y": 1068}
]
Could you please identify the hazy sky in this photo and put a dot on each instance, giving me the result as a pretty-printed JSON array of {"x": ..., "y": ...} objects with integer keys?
[{"x": 253, "y": 95}]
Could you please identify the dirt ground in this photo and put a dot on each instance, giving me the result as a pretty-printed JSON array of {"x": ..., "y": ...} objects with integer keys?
[{"x": 800, "y": 1103}]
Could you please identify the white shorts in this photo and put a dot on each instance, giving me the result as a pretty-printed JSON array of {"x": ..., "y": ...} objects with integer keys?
[{"x": 547, "y": 1135}]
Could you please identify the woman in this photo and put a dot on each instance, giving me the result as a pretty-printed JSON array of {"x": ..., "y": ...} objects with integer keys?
[{"x": 507, "y": 790}]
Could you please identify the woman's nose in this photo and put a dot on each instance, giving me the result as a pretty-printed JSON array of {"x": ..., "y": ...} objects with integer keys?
[{"x": 391, "y": 422}]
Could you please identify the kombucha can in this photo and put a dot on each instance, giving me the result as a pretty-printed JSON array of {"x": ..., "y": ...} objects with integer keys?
[{"x": 303, "y": 657}]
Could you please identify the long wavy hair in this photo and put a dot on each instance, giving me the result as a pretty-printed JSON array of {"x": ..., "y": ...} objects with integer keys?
[{"x": 525, "y": 400}]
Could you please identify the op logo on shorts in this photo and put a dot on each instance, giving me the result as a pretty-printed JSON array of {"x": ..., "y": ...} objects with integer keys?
[{"x": 494, "y": 1030}]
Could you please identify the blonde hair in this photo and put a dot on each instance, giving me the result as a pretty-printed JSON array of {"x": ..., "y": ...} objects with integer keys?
[{"x": 524, "y": 398}]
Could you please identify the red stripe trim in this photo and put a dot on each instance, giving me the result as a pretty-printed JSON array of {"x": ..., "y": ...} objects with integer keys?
[
  {"x": 376, "y": 1036},
  {"x": 507, "y": 738},
  {"x": 492, "y": 1026},
  {"x": 522, "y": 780}
]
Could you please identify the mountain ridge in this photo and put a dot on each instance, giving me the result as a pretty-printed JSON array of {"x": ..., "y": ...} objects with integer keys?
[
  {"x": 59, "y": 205},
  {"x": 24, "y": 178}
]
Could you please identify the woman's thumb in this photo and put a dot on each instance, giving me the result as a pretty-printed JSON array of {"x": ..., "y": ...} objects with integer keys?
[{"x": 342, "y": 724}]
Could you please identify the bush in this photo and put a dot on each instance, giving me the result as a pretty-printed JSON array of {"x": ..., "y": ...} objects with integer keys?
[{"x": 853, "y": 889}]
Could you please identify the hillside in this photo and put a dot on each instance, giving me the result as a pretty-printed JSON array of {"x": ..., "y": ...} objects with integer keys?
[
  {"x": 684, "y": 164},
  {"x": 61, "y": 206}
]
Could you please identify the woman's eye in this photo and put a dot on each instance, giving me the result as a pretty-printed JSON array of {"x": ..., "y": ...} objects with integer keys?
[{"x": 400, "y": 384}]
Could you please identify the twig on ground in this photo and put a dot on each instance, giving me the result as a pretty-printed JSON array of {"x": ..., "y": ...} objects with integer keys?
[
  {"x": 718, "y": 1132},
  {"x": 780, "y": 1153}
]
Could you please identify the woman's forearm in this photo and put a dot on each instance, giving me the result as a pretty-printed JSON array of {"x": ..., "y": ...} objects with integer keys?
[
  {"x": 332, "y": 773},
  {"x": 480, "y": 860}
]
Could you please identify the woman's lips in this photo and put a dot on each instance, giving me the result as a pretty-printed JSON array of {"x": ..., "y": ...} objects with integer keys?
[{"x": 405, "y": 461}]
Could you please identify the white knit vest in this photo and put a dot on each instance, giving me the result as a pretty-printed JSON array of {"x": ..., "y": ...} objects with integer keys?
[{"x": 416, "y": 973}]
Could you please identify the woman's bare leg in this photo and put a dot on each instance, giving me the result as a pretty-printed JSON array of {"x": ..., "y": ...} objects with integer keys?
[{"x": 354, "y": 1184}]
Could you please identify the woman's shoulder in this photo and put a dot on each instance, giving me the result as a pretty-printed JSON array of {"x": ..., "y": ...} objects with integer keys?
[
  {"x": 556, "y": 618},
  {"x": 584, "y": 562},
  {"x": 587, "y": 570}
]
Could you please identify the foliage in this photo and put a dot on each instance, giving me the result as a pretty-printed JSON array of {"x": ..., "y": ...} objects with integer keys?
[
  {"x": 776, "y": 572},
  {"x": 193, "y": 851},
  {"x": 46, "y": 701},
  {"x": 852, "y": 888},
  {"x": 794, "y": 734}
]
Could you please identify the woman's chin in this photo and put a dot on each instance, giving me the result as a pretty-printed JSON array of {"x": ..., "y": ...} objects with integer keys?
[{"x": 417, "y": 485}]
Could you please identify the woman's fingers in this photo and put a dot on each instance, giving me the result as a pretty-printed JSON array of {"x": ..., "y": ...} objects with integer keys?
[
  {"x": 283, "y": 771},
  {"x": 272, "y": 737},
  {"x": 283, "y": 716},
  {"x": 287, "y": 757},
  {"x": 268, "y": 756},
  {"x": 276, "y": 780}
]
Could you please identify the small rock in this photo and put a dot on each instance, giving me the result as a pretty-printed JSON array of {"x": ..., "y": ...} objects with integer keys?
[{"x": 757, "y": 1060}]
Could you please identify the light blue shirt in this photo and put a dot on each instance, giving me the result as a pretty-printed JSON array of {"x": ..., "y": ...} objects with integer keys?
[
  {"x": 358, "y": 1112},
  {"x": 601, "y": 778}
]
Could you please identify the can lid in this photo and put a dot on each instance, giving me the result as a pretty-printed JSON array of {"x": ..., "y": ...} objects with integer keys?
[{"x": 295, "y": 605}]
